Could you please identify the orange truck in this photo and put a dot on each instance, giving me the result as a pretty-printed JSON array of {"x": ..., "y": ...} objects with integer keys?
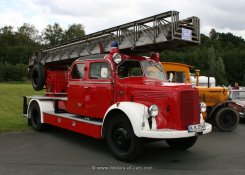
[{"x": 221, "y": 111}]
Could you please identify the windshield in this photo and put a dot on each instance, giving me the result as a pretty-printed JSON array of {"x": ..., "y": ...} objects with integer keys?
[
  {"x": 134, "y": 68},
  {"x": 153, "y": 70},
  {"x": 237, "y": 95}
]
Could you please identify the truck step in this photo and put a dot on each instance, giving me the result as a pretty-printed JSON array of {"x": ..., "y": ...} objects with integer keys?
[{"x": 83, "y": 125}]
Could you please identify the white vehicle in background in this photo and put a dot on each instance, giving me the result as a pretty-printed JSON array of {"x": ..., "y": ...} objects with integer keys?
[{"x": 203, "y": 81}]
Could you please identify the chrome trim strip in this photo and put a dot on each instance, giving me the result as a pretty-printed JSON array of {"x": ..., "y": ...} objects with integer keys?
[
  {"x": 87, "y": 82},
  {"x": 74, "y": 117}
]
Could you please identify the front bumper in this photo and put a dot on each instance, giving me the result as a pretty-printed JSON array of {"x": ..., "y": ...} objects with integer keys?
[{"x": 171, "y": 133}]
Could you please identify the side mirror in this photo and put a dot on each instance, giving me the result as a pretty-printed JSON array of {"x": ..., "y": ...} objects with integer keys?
[{"x": 104, "y": 72}]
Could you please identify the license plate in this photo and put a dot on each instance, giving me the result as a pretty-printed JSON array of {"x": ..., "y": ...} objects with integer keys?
[{"x": 196, "y": 128}]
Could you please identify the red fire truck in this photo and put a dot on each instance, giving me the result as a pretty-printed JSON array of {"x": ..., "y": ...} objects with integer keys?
[{"x": 95, "y": 89}]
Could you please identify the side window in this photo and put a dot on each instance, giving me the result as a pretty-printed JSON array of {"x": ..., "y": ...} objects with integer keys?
[
  {"x": 180, "y": 77},
  {"x": 95, "y": 70},
  {"x": 177, "y": 77},
  {"x": 78, "y": 71}
]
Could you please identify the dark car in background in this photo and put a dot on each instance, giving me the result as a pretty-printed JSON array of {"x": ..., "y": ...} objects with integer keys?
[{"x": 238, "y": 96}]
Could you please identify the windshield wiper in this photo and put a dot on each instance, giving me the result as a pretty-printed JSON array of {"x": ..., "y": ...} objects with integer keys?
[{"x": 153, "y": 64}]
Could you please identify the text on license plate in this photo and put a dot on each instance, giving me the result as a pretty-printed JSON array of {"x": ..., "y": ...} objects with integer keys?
[{"x": 196, "y": 128}]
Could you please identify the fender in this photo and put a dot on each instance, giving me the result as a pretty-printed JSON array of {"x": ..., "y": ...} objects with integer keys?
[
  {"x": 44, "y": 105},
  {"x": 137, "y": 114},
  {"x": 225, "y": 103}
]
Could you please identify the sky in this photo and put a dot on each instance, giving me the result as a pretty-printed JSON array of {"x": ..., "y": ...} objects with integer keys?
[{"x": 222, "y": 15}]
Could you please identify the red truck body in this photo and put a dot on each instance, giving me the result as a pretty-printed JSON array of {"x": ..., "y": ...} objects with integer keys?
[
  {"x": 92, "y": 97},
  {"x": 121, "y": 97}
]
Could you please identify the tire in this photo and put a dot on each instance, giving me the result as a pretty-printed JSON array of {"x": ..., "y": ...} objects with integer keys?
[
  {"x": 227, "y": 119},
  {"x": 35, "y": 116},
  {"x": 38, "y": 77},
  {"x": 121, "y": 140},
  {"x": 182, "y": 143}
]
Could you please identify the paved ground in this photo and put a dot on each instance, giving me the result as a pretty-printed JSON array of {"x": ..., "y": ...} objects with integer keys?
[{"x": 63, "y": 153}]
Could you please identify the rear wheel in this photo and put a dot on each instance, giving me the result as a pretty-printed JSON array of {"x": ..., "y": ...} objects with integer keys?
[
  {"x": 182, "y": 143},
  {"x": 227, "y": 119},
  {"x": 121, "y": 140},
  {"x": 35, "y": 116}
]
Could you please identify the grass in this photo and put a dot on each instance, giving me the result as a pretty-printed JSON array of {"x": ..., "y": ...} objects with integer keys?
[{"x": 11, "y": 103}]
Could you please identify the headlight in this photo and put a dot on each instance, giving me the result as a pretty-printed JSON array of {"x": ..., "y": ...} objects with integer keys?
[
  {"x": 117, "y": 58},
  {"x": 153, "y": 110},
  {"x": 203, "y": 107}
]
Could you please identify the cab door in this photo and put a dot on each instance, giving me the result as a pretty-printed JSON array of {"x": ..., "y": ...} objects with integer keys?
[
  {"x": 98, "y": 90},
  {"x": 75, "y": 102}
]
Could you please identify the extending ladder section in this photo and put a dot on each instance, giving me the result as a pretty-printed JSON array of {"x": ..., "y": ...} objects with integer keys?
[{"x": 155, "y": 33}]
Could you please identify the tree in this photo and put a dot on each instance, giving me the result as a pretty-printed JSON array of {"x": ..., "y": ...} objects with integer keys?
[
  {"x": 29, "y": 31},
  {"x": 213, "y": 34},
  {"x": 216, "y": 67},
  {"x": 229, "y": 37},
  {"x": 212, "y": 61},
  {"x": 220, "y": 73},
  {"x": 10, "y": 72},
  {"x": 16, "y": 47},
  {"x": 53, "y": 34},
  {"x": 74, "y": 31},
  {"x": 7, "y": 30}
]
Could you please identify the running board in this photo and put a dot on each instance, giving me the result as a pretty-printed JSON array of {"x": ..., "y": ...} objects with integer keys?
[
  {"x": 83, "y": 125},
  {"x": 77, "y": 118}
]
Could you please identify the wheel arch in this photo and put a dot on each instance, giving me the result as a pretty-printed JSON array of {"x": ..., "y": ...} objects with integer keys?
[
  {"x": 44, "y": 106},
  {"x": 110, "y": 115},
  {"x": 216, "y": 108},
  {"x": 136, "y": 113}
]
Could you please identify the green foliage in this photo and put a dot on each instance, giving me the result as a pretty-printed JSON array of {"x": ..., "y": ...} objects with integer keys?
[
  {"x": 220, "y": 72},
  {"x": 16, "y": 47},
  {"x": 30, "y": 32},
  {"x": 53, "y": 34},
  {"x": 9, "y": 72},
  {"x": 212, "y": 62},
  {"x": 216, "y": 67},
  {"x": 74, "y": 31}
]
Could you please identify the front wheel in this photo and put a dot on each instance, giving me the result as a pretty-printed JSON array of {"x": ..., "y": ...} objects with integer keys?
[
  {"x": 227, "y": 119},
  {"x": 182, "y": 143},
  {"x": 121, "y": 140}
]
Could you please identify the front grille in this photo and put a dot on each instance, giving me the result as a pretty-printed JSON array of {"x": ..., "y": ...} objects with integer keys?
[{"x": 189, "y": 108}]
